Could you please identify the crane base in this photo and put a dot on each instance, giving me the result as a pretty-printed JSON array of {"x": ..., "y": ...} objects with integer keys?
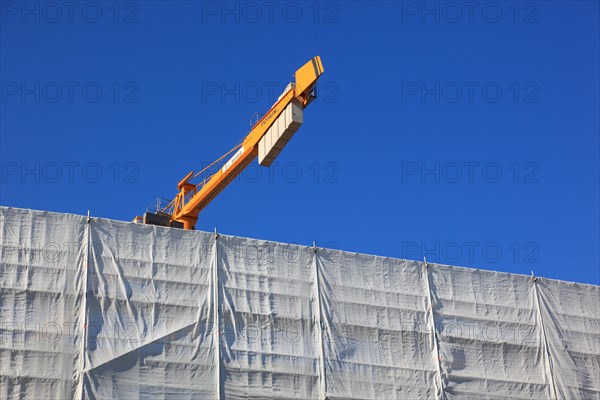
[{"x": 161, "y": 219}]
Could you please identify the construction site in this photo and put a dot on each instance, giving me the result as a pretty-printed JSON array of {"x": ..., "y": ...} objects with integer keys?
[
  {"x": 127, "y": 302},
  {"x": 102, "y": 309}
]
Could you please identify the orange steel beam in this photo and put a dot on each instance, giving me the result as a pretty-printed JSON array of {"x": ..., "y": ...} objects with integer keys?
[{"x": 186, "y": 211}]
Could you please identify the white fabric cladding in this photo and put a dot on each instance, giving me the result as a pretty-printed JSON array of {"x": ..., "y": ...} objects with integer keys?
[{"x": 101, "y": 309}]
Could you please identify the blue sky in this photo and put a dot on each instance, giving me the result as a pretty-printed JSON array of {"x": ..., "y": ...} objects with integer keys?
[{"x": 465, "y": 134}]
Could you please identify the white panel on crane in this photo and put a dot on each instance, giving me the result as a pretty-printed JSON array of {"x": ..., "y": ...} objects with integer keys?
[{"x": 277, "y": 136}]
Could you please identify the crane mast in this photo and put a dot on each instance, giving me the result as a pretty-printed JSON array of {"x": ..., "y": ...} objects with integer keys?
[{"x": 266, "y": 139}]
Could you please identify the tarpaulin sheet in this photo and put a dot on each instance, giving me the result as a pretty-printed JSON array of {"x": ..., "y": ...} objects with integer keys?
[
  {"x": 41, "y": 299},
  {"x": 486, "y": 324},
  {"x": 571, "y": 320},
  {"x": 268, "y": 320},
  {"x": 378, "y": 343},
  {"x": 100, "y": 309},
  {"x": 150, "y": 313}
]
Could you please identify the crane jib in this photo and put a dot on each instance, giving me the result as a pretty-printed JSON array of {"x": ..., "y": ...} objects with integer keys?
[
  {"x": 268, "y": 117},
  {"x": 266, "y": 140}
]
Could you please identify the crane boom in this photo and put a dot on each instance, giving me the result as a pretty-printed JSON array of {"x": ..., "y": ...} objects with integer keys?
[{"x": 184, "y": 209}]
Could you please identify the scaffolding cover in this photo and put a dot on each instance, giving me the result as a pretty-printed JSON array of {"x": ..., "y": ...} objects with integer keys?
[{"x": 100, "y": 309}]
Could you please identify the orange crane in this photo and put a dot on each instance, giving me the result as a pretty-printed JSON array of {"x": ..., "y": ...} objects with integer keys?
[{"x": 266, "y": 139}]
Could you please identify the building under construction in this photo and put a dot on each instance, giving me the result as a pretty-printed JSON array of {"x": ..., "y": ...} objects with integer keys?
[{"x": 92, "y": 308}]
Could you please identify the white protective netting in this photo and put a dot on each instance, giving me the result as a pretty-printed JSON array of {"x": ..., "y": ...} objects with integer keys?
[
  {"x": 378, "y": 340},
  {"x": 102, "y": 309},
  {"x": 571, "y": 320},
  {"x": 486, "y": 324},
  {"x": 268, "y": 310},
  {"x": 41, "y": 299},
  {"x": 150, "y": 313}
]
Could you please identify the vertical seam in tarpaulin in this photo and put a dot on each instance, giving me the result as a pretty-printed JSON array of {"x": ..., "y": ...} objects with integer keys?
[
  {"x": 83, "y": 312},
  {"x": 217, "y": 319},
  {"x": 322, "y": 382},
  {"x": 436, "y": 349},
  {"x": 547, "y": 358}
]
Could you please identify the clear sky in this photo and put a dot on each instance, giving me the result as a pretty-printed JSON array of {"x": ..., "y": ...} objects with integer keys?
[{"x": 464, "y": 132}]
